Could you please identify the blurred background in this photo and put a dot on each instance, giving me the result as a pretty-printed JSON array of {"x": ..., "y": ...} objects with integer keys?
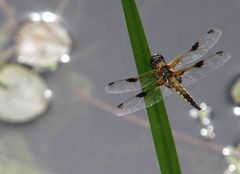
[{"x": 78, "y": 132}]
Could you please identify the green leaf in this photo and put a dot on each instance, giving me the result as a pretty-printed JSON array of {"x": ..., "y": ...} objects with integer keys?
[{"x": 160, "y": 127}]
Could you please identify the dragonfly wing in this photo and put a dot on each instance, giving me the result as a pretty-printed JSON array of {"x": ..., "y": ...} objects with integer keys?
[
  {"x": 137, "y": 102},
  {"x": 200, "y": 48},
  {"x": 165, "y": 91},
  {"x": 131, "y": 84},
  {"x": 203, "y": 68}
]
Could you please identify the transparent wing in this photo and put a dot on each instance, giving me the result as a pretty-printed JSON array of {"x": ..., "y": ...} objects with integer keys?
[
  {"x": 131, "y": 84},
  {"x": 137, "y": 102},
  {"x": 200, "y": 48},
  {"x": 165, "y": 91},
  {"x": 203, "y": 68}
]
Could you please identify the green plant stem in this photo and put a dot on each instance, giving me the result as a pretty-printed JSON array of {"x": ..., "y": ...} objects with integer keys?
[{"x": 160, "y": 127}]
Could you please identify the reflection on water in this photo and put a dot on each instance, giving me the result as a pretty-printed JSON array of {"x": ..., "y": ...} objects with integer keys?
[{"x": 16, "y": 157}]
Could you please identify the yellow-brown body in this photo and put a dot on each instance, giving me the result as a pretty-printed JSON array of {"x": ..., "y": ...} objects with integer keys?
[{"x": 171, "y": 80}]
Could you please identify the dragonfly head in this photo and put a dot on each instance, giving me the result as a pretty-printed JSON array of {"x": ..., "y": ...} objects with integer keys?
[{"x": 156, "y": 59}]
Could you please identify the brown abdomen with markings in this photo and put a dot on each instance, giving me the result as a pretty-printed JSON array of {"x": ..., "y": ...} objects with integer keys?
[{"x": 176, "y": 86}]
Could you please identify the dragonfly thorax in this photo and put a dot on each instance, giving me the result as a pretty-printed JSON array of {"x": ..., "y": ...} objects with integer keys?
[{"x": 166, "y": 72}]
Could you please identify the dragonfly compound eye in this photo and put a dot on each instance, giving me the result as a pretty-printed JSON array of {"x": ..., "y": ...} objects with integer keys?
[{"x": 156, "y": 58}]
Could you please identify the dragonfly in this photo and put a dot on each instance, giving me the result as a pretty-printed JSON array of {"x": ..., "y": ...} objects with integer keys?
[{"x": 183, "y": 70}]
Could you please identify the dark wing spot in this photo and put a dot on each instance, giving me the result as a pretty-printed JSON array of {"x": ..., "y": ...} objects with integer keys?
[
  {"x": 210, "y": 31},
  {"x": 120, "y": 106},
  {"x": 131, "y": 80},
  {"x": 199, "y": 64},
  {"x": 219, "y": 52},
  {"x": 195, "y": 46},
  {"x": 110, "y": 84},
  {"x": 142, "y": 94}
]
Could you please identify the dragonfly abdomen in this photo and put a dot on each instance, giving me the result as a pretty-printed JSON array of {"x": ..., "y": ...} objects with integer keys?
[{"x": 176, "y": 86}]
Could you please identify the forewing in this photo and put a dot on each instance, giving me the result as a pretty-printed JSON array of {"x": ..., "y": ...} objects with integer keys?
[
  {"x": 137, "y": 102},
  {"x": 205, "y": 67},
  {"x": 200, "y": 48},
  {"x": 131, "y": 84}
]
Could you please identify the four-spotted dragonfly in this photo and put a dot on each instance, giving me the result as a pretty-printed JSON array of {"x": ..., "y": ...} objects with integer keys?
[{"x": 183, "y": 70}]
